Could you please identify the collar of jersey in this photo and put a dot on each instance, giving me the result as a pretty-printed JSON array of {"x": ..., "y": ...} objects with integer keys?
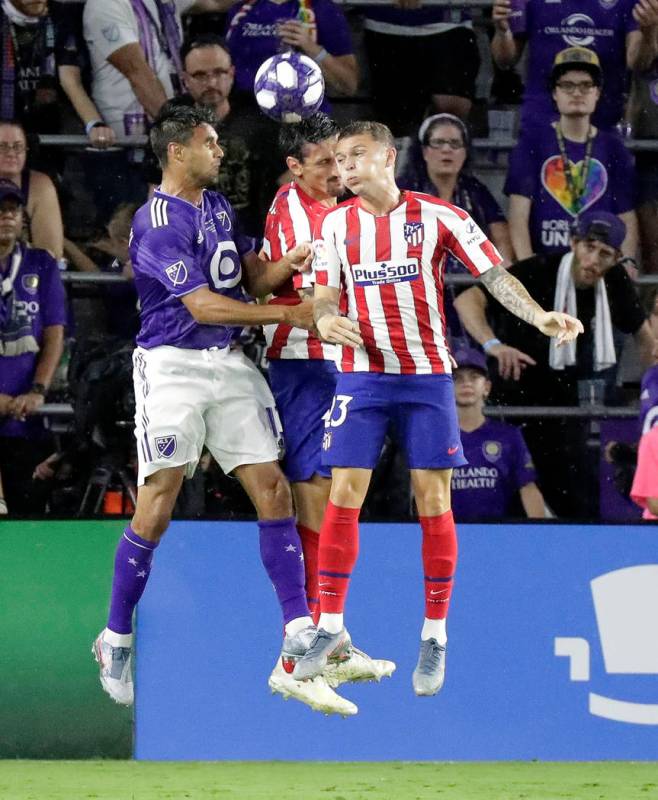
[
  {"x": 404, "y": 196},
  {"x": 159, "y": 193}
]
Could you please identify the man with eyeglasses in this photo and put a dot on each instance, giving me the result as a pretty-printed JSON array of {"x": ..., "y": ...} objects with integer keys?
[
  {"x": 619, "y": 31},
  {"x": 564, "y": 168},
  {"x": 32, "y": 318},
  {"x": 587, "y": 282}
]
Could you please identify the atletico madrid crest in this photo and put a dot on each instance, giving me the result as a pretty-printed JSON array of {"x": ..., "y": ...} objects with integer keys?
[{"x": 414, "y": 232}]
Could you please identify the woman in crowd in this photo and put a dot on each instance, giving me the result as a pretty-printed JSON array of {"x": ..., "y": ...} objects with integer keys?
[{"x": 43, "y": 216}]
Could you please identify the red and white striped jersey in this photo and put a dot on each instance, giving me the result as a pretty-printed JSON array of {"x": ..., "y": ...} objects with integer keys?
[
  {"x": 291, "y": 220},
  {"x": 390, "y": 268}
]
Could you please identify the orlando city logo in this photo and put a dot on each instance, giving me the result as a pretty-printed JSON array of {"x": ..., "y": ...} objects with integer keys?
[
  {"x": 165, "y": 445},
  {"x": 414, "y": 232}
]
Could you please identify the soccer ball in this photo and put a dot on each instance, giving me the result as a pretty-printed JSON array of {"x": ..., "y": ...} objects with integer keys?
[{"x": 289, "y": 87}]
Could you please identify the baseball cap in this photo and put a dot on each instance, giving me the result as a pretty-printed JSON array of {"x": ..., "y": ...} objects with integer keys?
[
  {"x": 8, "y": 189},
  {"x": 472, "y": 358},
  {"x": 602, "y": 226},
  {"x": 580, "y": 58}
]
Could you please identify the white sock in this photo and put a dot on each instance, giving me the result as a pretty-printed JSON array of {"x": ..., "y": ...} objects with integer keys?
[
  {"x": 434, "y": 629},
  {"x": 117, "y": 639},
  {"x": 296, "y": 625},
  {"x": 332, "y": 623}
]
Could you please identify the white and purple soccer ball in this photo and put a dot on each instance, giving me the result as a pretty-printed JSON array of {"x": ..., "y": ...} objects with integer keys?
[{"x": 289, "y": 87}]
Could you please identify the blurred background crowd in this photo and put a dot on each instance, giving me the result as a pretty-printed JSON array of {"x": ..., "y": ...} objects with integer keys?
[{"x": 538, "y": 118}]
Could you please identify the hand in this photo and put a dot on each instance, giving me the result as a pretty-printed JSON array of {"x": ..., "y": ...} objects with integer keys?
[
  {"x": 511, "y": 362},
  {"x": 5, "y": 404},
  {"x": 500, "y": 14},
  {"x": 102, "y": 136},
  {"x": 299, "y": 35},
  {"x": 339, "y": 330},
  {"x": 564, "y": 327},
  {"x": 25, "y": 404},
  {"x": 645, "y": 13},
  {"x": 301, "y": 315},
  {"x": 300, "y": 257},
  {"x": 46, "y": 469}
]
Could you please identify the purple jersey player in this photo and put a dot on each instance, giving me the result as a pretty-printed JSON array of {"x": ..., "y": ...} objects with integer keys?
[
  {"x": 499, "y": 464},
  {"x": 192, "y": 389}
]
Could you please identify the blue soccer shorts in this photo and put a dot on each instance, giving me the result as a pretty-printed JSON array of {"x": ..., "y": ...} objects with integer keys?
[
  {"x": 303, "y": 391},
  {"x": 418, "y": 410}
]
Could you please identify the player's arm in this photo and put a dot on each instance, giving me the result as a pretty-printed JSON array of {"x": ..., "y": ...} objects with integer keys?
[
  {"x": 261, "y": 280},
  {"x": 210, "y": 308},
  {"x": 331, "y": 325},
  {"x": 513, "y": 296},
  {"x": 533, "y": 501}
]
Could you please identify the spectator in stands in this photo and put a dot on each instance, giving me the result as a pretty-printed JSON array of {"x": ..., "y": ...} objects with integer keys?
[
  {"x": 588, "y": 283},
  {"x": 42, "y": 214},
  {"x": 32, "y": 318},
  {"x": 257, "y": 29},
  {"x": 561, "y": 169},
  {"x": 644, "y": 491},
  {"x": 421, "y": 60},
  {"x": 619, "y": 32},
  {"x": 436, "y": 164},
  {"x": 500, "y": 468},
  {"x": 248, "y": 174}
]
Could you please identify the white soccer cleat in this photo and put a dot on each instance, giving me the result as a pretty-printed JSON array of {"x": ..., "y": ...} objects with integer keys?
[
  {"x": 358, "y": 668},
  {"x": 115, "y": 673},
  {"x": 314, "y": 693}
]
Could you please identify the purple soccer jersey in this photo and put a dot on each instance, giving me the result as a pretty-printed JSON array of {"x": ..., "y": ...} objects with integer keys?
[
  {"x": 536, "y": 171},
  {"x": 36, "y": 301},
  {"x": 499, "y": 464},
  {"x": 550, "y": 26},
  {"x": 176, "y": 248},
  {"x": 649, "y": 399},
  {"x": 252, "y": 33}
]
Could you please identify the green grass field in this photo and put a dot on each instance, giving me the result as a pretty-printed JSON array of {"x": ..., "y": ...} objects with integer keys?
[{"x": 131, "y": 780}]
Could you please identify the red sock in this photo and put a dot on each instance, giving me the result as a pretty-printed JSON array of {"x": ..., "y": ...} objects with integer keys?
[
  {"x": 310, "y": 542},
  {"x": 439, "y": 562},
  {"x": 339, "y": 548}
]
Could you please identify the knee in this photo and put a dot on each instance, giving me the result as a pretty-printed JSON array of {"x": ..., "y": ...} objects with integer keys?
[
  {"x": 274, "y": 499},
  {"x": 347, "y": 493},
  {"x": 433, "y": 500}
]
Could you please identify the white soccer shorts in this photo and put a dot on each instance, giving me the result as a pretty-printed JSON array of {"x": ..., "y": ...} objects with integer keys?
[{"x": 188, "y": 398}]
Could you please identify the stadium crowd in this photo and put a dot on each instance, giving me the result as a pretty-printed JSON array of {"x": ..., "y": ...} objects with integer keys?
[{"x": 571, "y": 193}]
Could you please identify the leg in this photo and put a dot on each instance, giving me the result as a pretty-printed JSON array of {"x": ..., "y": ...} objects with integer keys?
[
  {"x": 311, "y": 499},
  {"x": 132, "y": 566},
  {"x": 439, "y": 550}
]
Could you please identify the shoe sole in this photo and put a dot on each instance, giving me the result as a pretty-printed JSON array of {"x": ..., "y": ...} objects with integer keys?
[
  {"x": 349, "y": 710},
  {"x": 384, "y": 670},
  {"x": 95, "y": 650}
]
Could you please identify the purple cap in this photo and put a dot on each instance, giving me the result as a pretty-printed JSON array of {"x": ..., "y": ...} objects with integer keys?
[
  {"x": 9, "y": 189},
  {"x": 602, "y": 226},
  {"x": 472, "y": 358}
]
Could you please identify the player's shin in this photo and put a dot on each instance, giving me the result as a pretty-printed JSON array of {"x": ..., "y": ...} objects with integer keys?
[
  {"x": 282, "y": 557},
  {"x": 310, "y": 543},
  {"x": 338, "y": 552},
  {"x": 132, "y": 567},
  {"x": 439, "y": 551}
]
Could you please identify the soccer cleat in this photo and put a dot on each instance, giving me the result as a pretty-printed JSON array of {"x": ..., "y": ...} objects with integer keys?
[
  {"x": 325, "y": 647},
  {"x": 295, "y": 646},
  {"x": 430, "y": 670},
  {"x": 314, "y": 693},
  {"x": 115, "y": 675},
  {"x": 358, "y": 668}
]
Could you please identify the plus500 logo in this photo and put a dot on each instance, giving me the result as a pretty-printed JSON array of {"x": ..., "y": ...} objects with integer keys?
[{"x": 385, "y": 272}]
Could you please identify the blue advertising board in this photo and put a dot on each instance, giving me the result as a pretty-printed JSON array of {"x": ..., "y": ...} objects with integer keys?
[{"x": 552, "y": 651}]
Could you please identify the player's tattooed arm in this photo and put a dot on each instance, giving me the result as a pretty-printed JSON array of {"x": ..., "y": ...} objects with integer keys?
[
  {"x": 331, "y": 326},
  {"x": 513, "y": 295}
]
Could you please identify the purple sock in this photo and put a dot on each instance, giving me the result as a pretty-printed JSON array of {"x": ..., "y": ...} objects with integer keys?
[
  {"x": 281, "y": 554},
  {"x": 132, "y": 567}
]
